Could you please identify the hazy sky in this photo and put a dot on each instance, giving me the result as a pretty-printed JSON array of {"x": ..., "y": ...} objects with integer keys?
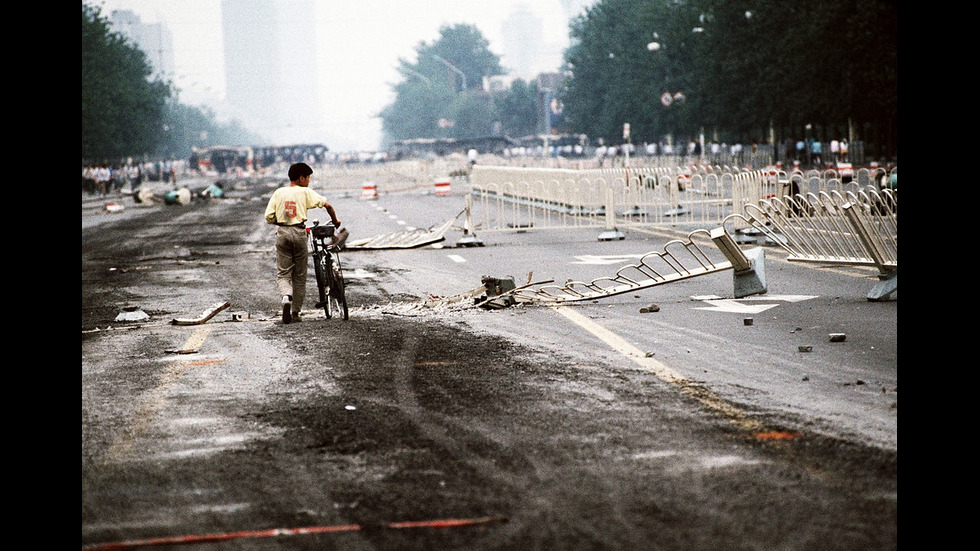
[{"x": 355, "y": 85}]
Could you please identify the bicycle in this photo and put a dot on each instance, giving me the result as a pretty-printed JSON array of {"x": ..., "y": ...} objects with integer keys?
[{"x": 326, "y": 244}]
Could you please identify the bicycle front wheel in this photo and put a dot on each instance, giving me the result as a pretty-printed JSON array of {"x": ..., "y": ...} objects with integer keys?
[{"x": 338, "y": 293}]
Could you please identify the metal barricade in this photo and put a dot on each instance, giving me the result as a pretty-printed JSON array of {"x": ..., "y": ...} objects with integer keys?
[
  {"x": 680, "y": 259},
  {"x": 509, "y": 198}
]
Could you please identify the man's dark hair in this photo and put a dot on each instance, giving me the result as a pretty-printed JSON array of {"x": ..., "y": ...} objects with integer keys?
[{"x": 299, "y": 170}]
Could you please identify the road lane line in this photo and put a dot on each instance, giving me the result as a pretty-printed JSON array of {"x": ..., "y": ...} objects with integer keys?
[
  {"x": 156, "y": 397},
  {"x": 662, "y": 371}
]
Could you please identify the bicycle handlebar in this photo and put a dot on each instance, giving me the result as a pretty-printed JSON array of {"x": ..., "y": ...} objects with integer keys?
[{"x": 334, "y": 240}]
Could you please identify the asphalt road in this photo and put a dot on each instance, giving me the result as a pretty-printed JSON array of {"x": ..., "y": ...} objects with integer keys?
[{"x": 592, "y": 426}]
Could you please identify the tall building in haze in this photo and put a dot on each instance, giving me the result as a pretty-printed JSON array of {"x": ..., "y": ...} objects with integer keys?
[
  {"x": 153, "y": 39},
  {"x": 526, "y": 51},
  {"x": 523, "y": 44},
  {"x": 271, "y": 68}
]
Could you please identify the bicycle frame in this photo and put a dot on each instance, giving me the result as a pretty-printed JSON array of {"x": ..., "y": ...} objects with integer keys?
[{"x": 325, "y": 243}]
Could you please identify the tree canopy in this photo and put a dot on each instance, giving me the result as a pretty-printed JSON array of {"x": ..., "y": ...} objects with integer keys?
[
  {"x": 442, "y": 96},
  {"x": 439, "y": 96},
  {"x": 739, "y": 67},
  {"x": 122, "y": 110}
]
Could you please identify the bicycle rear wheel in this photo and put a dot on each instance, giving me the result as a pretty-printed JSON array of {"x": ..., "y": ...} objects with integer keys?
[{"x": 322, "y": 280}]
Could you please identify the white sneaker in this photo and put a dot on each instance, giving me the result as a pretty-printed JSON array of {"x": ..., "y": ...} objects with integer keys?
[{"x": 287, "y": 304}]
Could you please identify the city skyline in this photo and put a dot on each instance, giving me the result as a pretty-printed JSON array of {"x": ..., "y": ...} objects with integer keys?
[{"x": 355, "y": 57}]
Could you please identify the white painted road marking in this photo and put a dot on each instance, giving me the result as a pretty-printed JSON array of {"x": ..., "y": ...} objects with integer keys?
[
  {"x": 662, "y": 371},
  {"x": 718, "y": 304},
  {"x": 456, "y": 258}
]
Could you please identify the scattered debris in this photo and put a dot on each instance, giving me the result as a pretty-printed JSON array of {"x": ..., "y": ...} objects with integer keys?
[
  {"x": 499, "y": 292},
  {"x": 748, "y": 321},
  {"x": 113, "y": 207},
  {"x": 435, "y": 301},
  {"x": 180, "y": 196},
  {"x": 144, "y": 195},
  {"x": 837, "y": 337},
  {"x": 205, "y": 316},
  {"x": 497, "y": 295},
  {"x": 182, "y": 351},
  {"x": 215, "y": 190},
  {"x": 650, "y": 308},
  {"x": 806, "y": 349},
  {"x": 132, "y": 313}
]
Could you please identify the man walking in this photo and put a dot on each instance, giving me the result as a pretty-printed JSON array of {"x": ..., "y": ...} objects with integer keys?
[{"x": 287, "y": 209}]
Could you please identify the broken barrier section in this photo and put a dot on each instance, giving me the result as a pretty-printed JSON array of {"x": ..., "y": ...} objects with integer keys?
[
  {"x": 680, "y": 259},
  {"x": 408, "y": 239},
  {"x": 749, "y": 271}
]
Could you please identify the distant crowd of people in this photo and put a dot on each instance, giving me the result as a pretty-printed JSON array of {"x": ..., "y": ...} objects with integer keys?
[
  {"x": 807, "y": 153},
  {"x": 810, "y": 152},
  {"x": 105, "y": 178}
]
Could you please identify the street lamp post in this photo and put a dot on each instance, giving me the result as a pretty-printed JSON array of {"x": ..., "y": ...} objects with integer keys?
[
  {"x": 416, "y": 73},
  {"x": 452, "y": 68}
]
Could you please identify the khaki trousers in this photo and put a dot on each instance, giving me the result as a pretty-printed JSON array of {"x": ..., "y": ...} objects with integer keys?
[{"x": 292, "y": 263}]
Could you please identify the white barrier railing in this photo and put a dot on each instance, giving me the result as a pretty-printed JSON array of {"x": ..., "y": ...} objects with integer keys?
[{"x": 697, "y": 195}]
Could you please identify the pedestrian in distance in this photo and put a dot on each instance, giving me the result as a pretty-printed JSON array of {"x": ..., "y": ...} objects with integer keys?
[
  {"x": 287, "y": 209},
  {"x": 816, "y": 154}
]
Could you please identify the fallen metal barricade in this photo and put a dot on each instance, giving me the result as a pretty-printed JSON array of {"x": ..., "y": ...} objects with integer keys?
[
  {"x": 856, "y": 228},
  {"x": 408, "y": 239},
  {"x": 680, "y": 259}
]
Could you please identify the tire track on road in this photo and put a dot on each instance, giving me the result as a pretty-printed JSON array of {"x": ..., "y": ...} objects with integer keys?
[{"x": 542, "y": 488}]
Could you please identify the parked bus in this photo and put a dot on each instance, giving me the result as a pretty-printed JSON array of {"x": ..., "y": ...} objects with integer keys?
[{"x": 222, "y": 159}]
